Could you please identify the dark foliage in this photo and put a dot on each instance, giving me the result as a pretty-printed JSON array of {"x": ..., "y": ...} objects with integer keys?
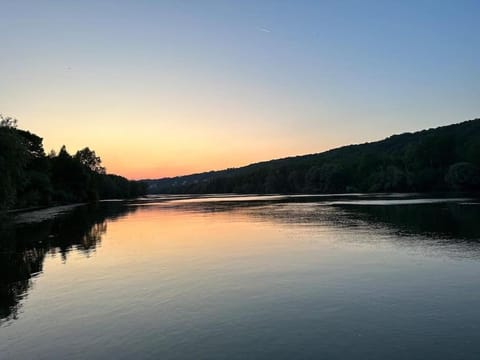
[
  {"x": 441, "y": 159},
  {"x": 30, "y": 178}
]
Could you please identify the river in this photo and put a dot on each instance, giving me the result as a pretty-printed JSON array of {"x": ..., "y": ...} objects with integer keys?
[{"x": 243, "y": 277}]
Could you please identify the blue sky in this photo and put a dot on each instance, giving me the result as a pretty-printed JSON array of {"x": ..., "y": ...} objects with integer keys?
[{"x": 188, "y": 86}]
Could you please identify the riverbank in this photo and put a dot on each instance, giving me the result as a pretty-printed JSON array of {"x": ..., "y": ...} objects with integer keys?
[{"x": 34, "y": 215}]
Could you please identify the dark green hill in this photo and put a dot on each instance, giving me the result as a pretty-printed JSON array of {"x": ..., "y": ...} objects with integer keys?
[{"x": 441, "y": 159}]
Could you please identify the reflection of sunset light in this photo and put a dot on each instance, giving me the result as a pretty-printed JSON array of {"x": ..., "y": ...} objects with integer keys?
[{"x": 171, "y": 238}]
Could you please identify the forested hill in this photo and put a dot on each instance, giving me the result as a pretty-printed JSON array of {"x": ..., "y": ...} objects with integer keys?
[
  {"x": 446, "y": 158},
  {"x": 29, "y": 177}
]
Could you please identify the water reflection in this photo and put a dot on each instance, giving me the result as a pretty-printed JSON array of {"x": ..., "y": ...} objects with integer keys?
[
  {"x": 455, "y": 219},
  {"x": 449, "y": 227},
  {"x": 438, "y": 224},
  {"x": 23, "y": 247}
]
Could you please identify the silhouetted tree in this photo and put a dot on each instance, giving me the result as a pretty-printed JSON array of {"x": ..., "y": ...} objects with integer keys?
[
  {"x": 28, "y": 177},
  {"x": 7, "y": 121},
  {"x": 13, "y": 160},
  {"x": 463, "y": 176},
  {"x": 89, "y": 159}
]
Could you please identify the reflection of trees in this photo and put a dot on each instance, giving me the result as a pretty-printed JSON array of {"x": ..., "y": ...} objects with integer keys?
[
  {"x": 450, "y": 221},
  {"x": 449, "y": 227},
  {"x": 15, "y": 278},
  {"x": 93, "y": 237},
  {"x": 455, "y": 224},
  {"x": 23, "y": 247}
]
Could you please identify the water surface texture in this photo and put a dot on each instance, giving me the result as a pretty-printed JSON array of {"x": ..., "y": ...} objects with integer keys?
[{"x": 235, "y": 277}]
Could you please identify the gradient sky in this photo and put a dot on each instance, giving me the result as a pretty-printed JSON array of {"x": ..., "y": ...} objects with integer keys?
[{"x": 161, "y": 88}]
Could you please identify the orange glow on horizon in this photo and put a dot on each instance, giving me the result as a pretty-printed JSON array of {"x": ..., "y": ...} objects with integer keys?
[
  {"x": 187, "y": 166},
  {"x": 146, "y": 155}
]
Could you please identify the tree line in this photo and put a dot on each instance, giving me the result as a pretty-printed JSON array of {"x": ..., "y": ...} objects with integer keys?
[
  {"x": 441, "y": 159},
  {"x": 29, "y": 177}
]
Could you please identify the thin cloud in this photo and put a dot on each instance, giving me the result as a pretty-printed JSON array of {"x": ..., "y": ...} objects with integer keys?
[{"x": 265, "y": 29}]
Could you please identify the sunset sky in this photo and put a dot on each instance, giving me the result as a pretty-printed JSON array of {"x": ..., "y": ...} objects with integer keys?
[{"x": 162, "y": 88}]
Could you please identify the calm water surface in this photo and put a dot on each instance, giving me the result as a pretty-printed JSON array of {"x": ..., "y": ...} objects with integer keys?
[{"x": 219, "y": 277}]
